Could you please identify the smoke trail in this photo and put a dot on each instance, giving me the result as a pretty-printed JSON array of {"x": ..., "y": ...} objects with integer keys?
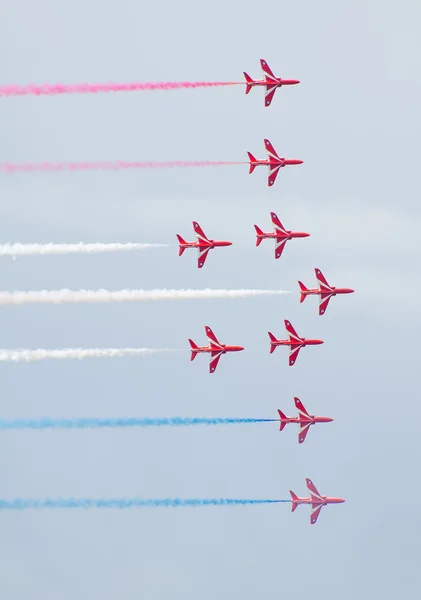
[
  {"x": 109, "y": 165},
  {"x": 94, "y": 88},
  {"x": 79, "y": 248},
  {"x": 20, "y": 355},
  {"x": 80, "y": 296},
  {"x": 27, "y": 503},
  {"x": 94, "y": 423}
]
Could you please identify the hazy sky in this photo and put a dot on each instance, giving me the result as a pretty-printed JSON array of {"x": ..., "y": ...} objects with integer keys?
[{"x": 354, "y": 120}]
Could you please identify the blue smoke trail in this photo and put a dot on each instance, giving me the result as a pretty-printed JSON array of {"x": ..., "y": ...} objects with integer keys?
[
  {"x": 93, "y": 423},
  {"x": 121, "y": 503}
]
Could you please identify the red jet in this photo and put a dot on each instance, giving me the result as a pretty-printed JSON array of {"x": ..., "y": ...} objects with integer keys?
[
  {"x": 316, "y": 500},
  {"x": 274, "y": 162},
  {"x": 270, "y": 81},
  {"x": 203, "y": 244},
  {"x": 304, "y": 420},
  {"x": 215, "y": 348},
  {"x": 280, "y": 235},
  {"x": 295, "y": 342},
  {"x": 325, "y": 292}
]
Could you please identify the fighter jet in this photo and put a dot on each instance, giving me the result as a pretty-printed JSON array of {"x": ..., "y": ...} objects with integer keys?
[
  {"x": 271, "y": 82},
  {"x": 304, "y": 420},
  {"x": 325, "y": 292},
  {"x": 295, "y": 342},
  {"x": 203, "y": 244},
  {"x": 274, "y": 162},
  {"x": 280, "y": 235},
  {"x": 215, "y": 348},
  {"x": 316, "y": 500}
]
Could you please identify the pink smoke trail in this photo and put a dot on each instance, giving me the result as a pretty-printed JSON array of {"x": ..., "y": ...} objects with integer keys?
[
  {"x": 94, "y": 88},
  {"x": 108, "y": 165}
]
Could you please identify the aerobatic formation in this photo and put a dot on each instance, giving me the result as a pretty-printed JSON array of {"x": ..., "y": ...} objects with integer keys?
[{"x": 280, "y": 234}]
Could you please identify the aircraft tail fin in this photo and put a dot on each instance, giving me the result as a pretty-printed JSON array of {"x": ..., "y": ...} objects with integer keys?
[
  {"x": 282, "y": 420},
  {"x": 294, "y": 499},
  {"x": 194, "y": 348},
  {"x": 272, "y": 342},
  {"x": 248, "y": 81},
  {"x": 180, "y": 241},
  {"x": 259, "y": 232},
  {"x": 303, "y": 290},
  {"x": 252, "y": 160}
]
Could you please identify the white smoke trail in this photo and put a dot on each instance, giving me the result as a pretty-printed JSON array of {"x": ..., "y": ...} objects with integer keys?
[
  {"x": 79, "y": 248},
  {"x": 81, "y": 296},
  {"x": 20, "y": 355}
]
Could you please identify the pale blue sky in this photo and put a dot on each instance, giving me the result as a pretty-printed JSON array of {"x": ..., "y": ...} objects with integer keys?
[{"x": 354, "y": 120}]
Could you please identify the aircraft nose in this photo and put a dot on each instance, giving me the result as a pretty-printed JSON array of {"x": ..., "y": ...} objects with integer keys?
[
  {"x": 318, "y": 341},
  {"x": 238, "y": 348}
]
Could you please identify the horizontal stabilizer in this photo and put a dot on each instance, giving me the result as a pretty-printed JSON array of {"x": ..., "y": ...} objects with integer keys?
[
  {"x": 259, "y": 232},
  {"x": 272, "y": 342},
  {"x": 303, "y": 290},
  {"x": 180, "y": 241},
  {"x": 248, "y": 81},
  {"x": 294, "y": 499},
  {"x": 252, "y": 160},
  {"x": 194, "y": 349},
  {"x": 282, "y": 420}
]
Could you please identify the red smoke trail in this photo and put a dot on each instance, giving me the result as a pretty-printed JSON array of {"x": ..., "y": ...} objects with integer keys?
[
  {"x": 94, "y": 88},
  {"x": 108, "y": 165}
]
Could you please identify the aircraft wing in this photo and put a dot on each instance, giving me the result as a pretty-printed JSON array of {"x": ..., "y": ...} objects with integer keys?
[
  {"x": 315, "y": 514},
  {"x": 277, "y": 225},
  {"x": 324, "y": 286},
  {"x": 294, "y": 354},
  {"x": 267, "y": 71},
  {"x": 271, "y": 150},
  {"x": 313, "y": 490},
  {"x": 273, "y": 174},
  {"x": 269, "y": 93},
  {"x": 279, "y": 246},
  {"x": 301, "y": 409},
  {"x": 324, "y": 301},
  {"x": 302, "y": 434},
  {"x": 212, "y": 337},
  {"x": 201, "y": 258},
  {"x": 201, "y": 236},
  {"x": 293, "y": 335},
  {"x": 215, "y": 356}
]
